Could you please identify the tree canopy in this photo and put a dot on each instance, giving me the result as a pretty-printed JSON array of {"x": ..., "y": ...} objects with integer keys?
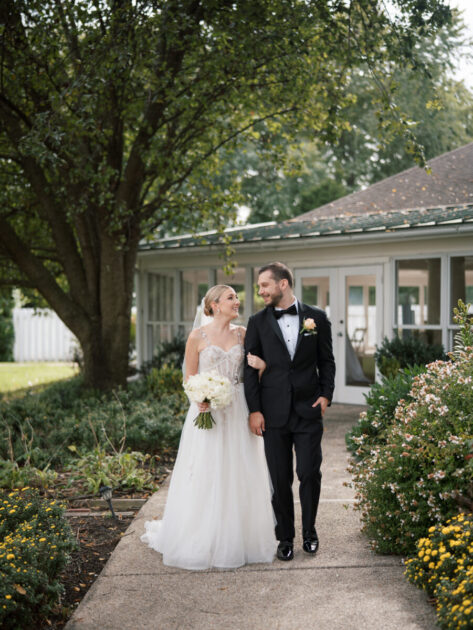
[
  {"x": 114, "y": 114},
  {"x": 439, "y": 108}
]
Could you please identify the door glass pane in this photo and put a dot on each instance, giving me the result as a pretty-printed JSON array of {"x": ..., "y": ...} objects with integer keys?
[
  {"x": 315, "y": 292},
  {"x": 418, "y": 291},
  {"x": 360, "y": 330}
]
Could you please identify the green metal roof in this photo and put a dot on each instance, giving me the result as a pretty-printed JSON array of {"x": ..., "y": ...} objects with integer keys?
[{"x": 325, "y": 227}]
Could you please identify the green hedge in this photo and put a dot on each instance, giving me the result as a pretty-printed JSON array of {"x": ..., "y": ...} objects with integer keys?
[
  {"x": 398, "y": 353},
  {"x": 35, "y": 545},
  {"x": 38, "y": 428}
]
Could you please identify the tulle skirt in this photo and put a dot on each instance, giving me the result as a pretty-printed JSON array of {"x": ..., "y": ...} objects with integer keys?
[{"x": 218, "y": 511}]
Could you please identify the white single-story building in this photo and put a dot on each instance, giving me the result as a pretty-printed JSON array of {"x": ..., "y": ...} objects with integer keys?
[{"x": 378, "y": 261}]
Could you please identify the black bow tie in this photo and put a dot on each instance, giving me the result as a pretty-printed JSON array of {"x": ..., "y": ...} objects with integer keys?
[{"x": 292, "y": 310}]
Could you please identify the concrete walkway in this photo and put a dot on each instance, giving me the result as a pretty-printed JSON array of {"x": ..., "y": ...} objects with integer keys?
[{"x": 344, "y": 587}]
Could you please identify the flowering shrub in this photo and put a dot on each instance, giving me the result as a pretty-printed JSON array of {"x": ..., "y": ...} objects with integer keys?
[
  {"x": 443, "y": 567},
  {"x": 35, "y": 542},
  {"x": 425, "y": 468},
  {"x": 382, "y": 401}
]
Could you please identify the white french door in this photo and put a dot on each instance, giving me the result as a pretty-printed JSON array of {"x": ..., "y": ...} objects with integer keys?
[{"x": 352, "y": 297}]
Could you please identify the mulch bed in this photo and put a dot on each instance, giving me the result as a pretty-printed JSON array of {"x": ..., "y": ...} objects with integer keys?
[{"x": 97, "y": 536}]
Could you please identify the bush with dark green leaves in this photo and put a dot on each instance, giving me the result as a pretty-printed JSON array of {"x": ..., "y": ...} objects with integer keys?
[
  {"x": 38, "y": 428},
  {"x": 397, "y": 353},
  {"x": 168, "y": 353}
]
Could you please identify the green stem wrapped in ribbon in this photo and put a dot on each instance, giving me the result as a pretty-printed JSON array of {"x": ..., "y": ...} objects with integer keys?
[{"x": 204, "y": 420}]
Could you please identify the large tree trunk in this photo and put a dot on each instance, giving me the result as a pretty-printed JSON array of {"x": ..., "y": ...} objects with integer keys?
[
  {"x": 105, "y": 337},
  {"x": 105, "y": 352}
]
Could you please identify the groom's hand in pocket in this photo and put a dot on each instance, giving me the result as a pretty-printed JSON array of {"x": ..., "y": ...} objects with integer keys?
[
  {"x": 323, "y": 402},
  {"x": 257, "y": 423}
]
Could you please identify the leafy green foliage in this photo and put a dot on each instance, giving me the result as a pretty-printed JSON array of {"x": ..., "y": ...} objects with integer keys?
[
  {"x": 118, "y": 470},
  {"x": 52, "y": 428},
  {"x": 464, "y": 336},
  {"x": 398, "y": 353},
  {"x": 35, "y": 545},
  {"x": 12, "y": 475},
  {"x": 169, "y": 353},
  {"x": 437, "y": 113}
]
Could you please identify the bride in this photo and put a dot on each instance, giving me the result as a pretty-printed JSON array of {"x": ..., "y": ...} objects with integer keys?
[{"x": 218, "y": 511}]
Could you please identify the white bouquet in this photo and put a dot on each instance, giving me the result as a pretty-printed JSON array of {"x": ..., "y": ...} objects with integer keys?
[{"x": 208, "y": 387}]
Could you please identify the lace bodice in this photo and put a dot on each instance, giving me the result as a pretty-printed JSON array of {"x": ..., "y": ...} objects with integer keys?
[{"x": 228, "y": 363}]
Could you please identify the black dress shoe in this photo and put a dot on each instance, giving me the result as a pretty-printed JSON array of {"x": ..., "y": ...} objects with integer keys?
[
  {"x": 285, "y": 550},
  {"x": 310, "y": 542}
]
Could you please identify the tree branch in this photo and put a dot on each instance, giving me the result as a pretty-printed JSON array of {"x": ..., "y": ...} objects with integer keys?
[{"x": 33, "y": 268}]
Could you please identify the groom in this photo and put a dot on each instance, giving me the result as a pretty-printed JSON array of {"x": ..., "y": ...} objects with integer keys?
[{"x": 288, "y": 403}]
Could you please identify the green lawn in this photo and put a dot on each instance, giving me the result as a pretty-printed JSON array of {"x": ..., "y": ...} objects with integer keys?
[{"x": 21, "y": 376}]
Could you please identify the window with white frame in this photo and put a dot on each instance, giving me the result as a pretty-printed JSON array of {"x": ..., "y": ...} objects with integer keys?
[
  {"x": 160, "y": 300},
  {"x": 418, "y": 299},
  {"x": 426, "y": 291}
]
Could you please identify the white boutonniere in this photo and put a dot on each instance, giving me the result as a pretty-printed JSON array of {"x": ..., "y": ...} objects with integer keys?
[{"x": 309, "y": 327}]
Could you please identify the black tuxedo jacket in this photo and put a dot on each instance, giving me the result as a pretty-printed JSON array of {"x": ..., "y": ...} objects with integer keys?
[{"x": 289, "y": 384}]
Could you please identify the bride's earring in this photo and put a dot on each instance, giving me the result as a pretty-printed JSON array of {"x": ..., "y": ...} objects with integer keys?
[{"x": 218, "y": 310}]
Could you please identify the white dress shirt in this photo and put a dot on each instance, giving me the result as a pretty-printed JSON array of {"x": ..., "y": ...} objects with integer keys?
[{"x": 289, "y": 325}]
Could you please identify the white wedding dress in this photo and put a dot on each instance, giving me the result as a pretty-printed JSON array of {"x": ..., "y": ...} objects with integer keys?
[{"x": 218, "y": 511}]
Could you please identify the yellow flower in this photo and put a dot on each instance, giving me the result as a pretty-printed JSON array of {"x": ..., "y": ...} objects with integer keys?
[
  {"x": 10, "y": 556},
  {"x": 7, "y": 596}
]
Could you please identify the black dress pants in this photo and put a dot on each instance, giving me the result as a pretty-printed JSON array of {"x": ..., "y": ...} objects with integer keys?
[{"x": 305, "y": 436}]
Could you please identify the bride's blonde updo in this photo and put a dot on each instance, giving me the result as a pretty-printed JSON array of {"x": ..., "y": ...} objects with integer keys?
[{"x": 213, "y": 295}]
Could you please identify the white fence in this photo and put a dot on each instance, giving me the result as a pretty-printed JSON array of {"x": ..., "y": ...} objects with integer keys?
[{"x": 41, "y": 336}]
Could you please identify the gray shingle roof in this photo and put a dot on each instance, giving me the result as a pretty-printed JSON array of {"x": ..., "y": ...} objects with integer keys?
[
  {"x": 451, "y": 183},
  {"x": 375, "y": 222}
]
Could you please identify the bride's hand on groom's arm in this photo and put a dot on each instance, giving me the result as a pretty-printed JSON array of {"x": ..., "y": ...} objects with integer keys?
[
  {"x": 323, "y": 402},
  {"x": 256, "y": 362},
  {"x": 256, "y": 423}
]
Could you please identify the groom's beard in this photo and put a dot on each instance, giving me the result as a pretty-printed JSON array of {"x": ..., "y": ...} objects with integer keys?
[{"x": 276, "y": 299}]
